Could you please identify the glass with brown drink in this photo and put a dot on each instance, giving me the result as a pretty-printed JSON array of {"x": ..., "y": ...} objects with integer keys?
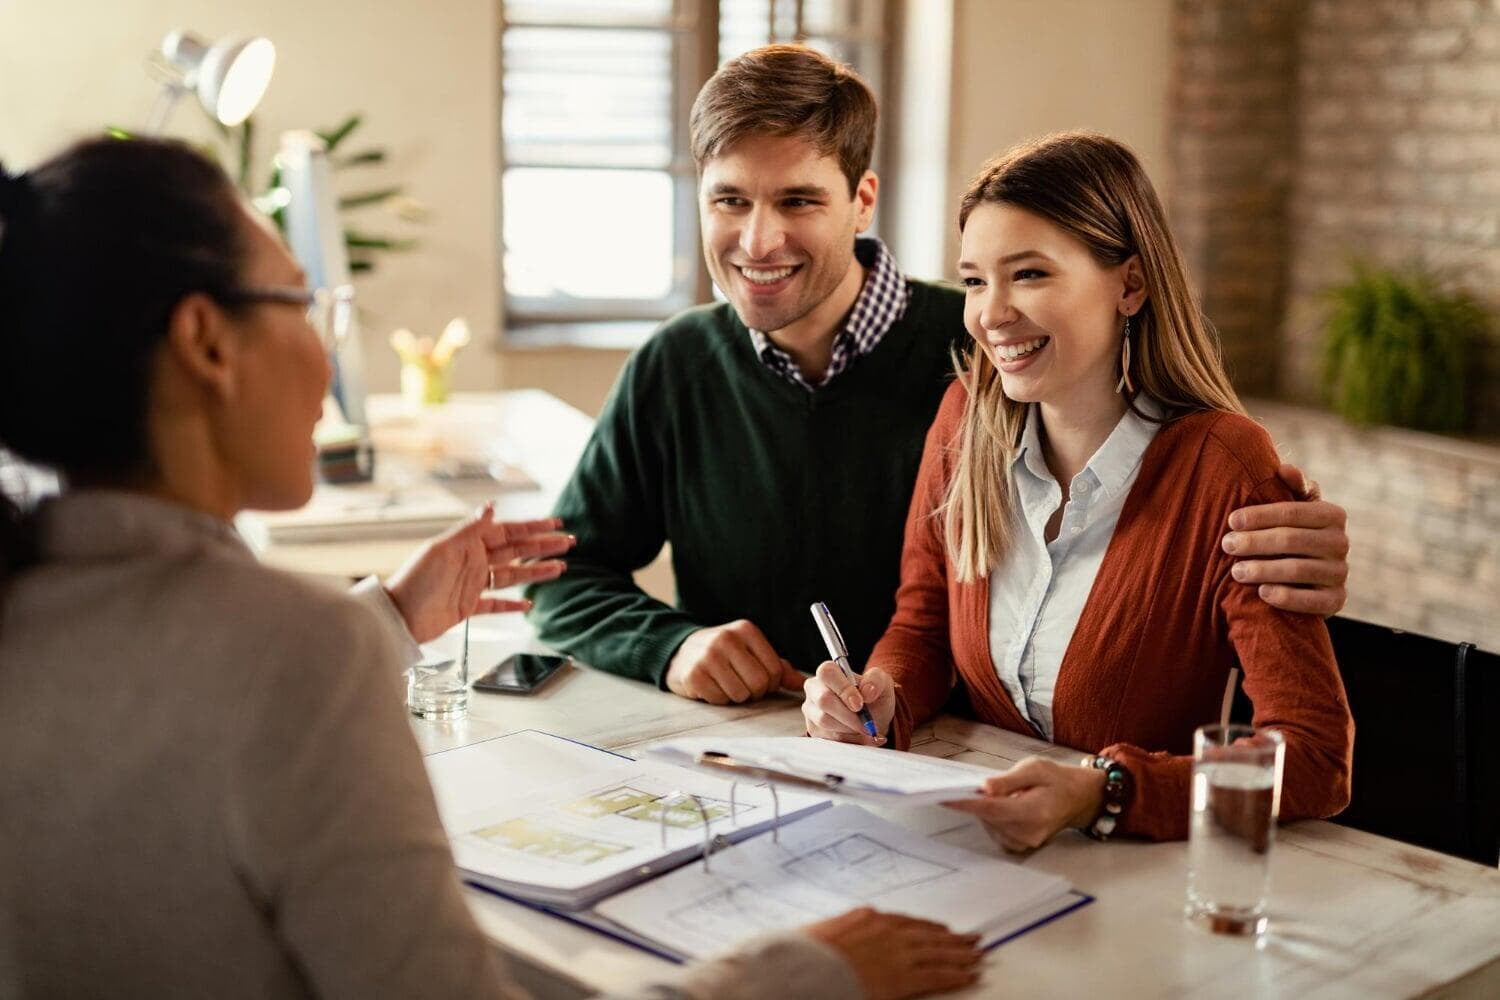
[{"x": 1236, "y": 796}]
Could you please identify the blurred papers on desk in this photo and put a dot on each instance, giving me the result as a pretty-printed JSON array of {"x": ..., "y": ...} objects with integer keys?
[
  {"x": 356, "y": 511},
  {"x": 463, "y": 438}
]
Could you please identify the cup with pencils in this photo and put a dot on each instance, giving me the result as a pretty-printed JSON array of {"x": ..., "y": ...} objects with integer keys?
[{"x": 424, "y": 362}]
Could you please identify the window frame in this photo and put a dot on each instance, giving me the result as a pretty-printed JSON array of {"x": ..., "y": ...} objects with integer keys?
[{"x": 695, "y": 39}]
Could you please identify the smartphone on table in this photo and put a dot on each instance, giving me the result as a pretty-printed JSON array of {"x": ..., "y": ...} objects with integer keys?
[{"x": 521, "y": 673}]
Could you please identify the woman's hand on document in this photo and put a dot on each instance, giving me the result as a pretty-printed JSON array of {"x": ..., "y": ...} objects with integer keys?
[
  {"x": 831, "y": 705},
  {"x": 444, "y": 581},
  {"x": 894, "y": 956},
  {"x": 1025, "y": 807}
]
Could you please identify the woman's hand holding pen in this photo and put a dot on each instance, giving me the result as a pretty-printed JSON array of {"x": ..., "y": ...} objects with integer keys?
[{"x": 832, "y": 704}]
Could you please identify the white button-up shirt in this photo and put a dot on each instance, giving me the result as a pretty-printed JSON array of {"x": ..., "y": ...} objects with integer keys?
[{"x": 1038, "y": 588}]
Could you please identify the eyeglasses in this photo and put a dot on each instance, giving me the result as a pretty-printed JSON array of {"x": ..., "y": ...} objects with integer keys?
[{"x": 329, "y": 310}]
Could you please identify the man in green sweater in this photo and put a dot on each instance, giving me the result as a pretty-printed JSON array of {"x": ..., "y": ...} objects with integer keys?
[{"x": 774, "y": 440}]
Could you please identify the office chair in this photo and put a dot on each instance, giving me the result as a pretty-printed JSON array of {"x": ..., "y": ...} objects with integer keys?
[{"x": 1426, "y": 715}]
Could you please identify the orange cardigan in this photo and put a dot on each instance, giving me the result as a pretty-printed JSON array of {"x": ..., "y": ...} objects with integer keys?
[{"x": 1161, "y": 629}]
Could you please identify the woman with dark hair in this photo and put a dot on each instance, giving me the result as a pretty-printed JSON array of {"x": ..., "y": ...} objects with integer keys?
[{"x": 207, "y": 783}]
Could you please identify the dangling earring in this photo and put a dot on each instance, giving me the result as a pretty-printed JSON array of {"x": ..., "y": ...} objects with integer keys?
[{"x": 1125, "y": 382}]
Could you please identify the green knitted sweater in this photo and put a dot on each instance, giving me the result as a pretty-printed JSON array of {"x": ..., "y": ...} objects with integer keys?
[{"x": 771, "y": 496}]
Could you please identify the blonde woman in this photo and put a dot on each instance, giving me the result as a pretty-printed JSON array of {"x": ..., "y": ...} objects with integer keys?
[{"x": 1062, "y": 560}]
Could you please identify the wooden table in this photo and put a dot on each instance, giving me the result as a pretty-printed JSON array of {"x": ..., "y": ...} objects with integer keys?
[{"x": 1353, "y": 915}]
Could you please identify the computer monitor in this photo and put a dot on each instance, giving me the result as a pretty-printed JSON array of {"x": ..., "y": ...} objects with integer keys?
[{"x": 316, "y": 236}]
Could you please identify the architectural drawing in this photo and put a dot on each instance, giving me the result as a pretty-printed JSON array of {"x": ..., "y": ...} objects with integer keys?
[
  {"x": 529, "y": 837},
  {"x": 864, "y": 866},
  {"x": 611, "y": 802},
  {"x": 736, "y": 908},
  {"x": 632, "y": 802}
]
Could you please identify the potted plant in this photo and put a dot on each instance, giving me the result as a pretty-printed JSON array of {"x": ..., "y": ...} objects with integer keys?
[
  {"x": 1398, "y": 348},
  {"x": 362, "y": 245}
]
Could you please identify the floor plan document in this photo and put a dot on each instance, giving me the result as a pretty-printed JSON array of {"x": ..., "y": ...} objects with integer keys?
[
  {"x": 618, "y": 845},
  {"x": 552, "y": 821},
  {"x": 841, "y": 858}
]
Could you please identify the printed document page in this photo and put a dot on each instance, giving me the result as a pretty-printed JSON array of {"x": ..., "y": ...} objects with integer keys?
[
  {"x": 562, "y": 823},
  {"x": 825, "y": 864},
  {"x": 871, "y": 773}
]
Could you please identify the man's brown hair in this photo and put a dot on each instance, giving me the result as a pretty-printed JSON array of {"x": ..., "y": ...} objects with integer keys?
[{"x": 787, "y": 91}]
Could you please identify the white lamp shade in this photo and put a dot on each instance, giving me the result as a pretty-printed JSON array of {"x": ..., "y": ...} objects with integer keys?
[
  {"x": 234, "y": 77},
  {"x": 230, "y": 77}
]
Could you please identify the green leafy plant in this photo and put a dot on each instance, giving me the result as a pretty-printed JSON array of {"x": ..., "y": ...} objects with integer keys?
[
  {"x": 272, "y": 199},
  {"x": 362, "y": 244},
  {"x": 1398, "y": 347}
]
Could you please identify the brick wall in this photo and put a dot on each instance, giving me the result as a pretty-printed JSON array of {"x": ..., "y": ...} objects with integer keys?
[
  {"x": 1304, "y": 132},
  {"x": 1424, "y": 520},
  {"x": 1399, "y": 159},
  {"x": 1234, "y": 117}
]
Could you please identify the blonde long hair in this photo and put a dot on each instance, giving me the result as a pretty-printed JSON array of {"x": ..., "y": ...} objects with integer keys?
[{"x": 1094, "y": 189}]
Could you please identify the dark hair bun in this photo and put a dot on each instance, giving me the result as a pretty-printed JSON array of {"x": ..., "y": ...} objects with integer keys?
[
  {"x": 17, "y": 207},
  {"x": 99, "y": 244},
  {"x": 10, "y": 187}
]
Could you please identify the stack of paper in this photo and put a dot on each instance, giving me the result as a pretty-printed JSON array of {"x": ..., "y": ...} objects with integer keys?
[
  {"x": 861, "y": 772},
  {"x": 365, "y": 510}
]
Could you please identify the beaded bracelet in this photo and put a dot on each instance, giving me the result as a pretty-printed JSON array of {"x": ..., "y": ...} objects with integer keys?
[{"x": 1117, "y": 791}]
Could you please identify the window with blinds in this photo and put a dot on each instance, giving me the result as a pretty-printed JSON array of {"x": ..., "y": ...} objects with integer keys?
[{"x": 599, "y": 202}]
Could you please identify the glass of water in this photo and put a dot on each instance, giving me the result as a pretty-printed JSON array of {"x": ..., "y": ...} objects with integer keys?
[
  {"x": 440, "y": 689},
  {"x": 1236, "y": 798}
]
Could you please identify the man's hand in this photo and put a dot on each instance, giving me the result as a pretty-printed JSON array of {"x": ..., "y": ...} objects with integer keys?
[
  {"x": 1295, "y": 551},
  {"x": 1025, "y": 807},
  {"x": 444, "y": 581},
  {"x": 729, "y": 663}
]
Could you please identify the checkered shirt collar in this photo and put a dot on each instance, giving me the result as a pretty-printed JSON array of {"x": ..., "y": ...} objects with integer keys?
[{"x": 882, "y": 301}]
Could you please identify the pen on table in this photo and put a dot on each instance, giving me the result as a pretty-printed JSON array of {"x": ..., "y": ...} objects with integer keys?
[{"x": 839, "y": 653}]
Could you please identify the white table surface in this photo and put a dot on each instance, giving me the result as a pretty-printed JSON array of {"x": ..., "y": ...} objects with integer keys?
[
  {"x": 1353, "y": 915},
  {"x": 529, "y": 428}
]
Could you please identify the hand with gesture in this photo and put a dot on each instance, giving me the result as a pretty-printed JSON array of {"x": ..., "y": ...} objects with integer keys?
[{"x": 444, "y": 581}]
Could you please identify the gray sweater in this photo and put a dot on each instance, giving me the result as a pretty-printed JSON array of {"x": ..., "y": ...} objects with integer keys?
[{"x": 208, "y": 786}]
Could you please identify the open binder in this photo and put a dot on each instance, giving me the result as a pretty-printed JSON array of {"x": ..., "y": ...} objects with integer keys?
[
  {"x": 547, "y": 820},
  {"x": 683, "y": 863}
]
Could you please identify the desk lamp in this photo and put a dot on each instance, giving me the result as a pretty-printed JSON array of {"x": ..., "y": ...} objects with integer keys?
[{"x": 229, "y": 77}]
